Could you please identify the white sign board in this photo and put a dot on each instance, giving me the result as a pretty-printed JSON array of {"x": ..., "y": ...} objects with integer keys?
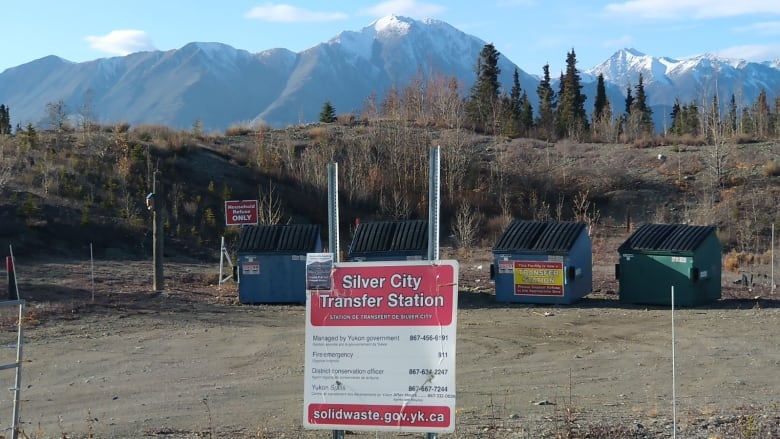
[{"x": 380, "y": 347}]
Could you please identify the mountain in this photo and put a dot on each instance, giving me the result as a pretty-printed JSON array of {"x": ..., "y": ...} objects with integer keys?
[
  {"x": 692, "y": 79},
  {"x": 219, "y": 85},
  {"x": 392, "y": 51}
]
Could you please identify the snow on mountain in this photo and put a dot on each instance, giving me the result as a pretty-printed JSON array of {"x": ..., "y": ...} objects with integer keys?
[
  {"x": 220, "y": 85},
  {"x": 667, "y": 80}
]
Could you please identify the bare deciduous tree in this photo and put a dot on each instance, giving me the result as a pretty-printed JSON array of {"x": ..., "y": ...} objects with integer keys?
[
  {"x": 465, "y": 227},
  {"x": 269, "y": 207},
  {"x": 7, "y": 159},
  {"x": 585, "y": 211}
]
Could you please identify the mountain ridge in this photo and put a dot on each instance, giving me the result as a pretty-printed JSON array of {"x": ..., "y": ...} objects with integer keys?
[{"x": 218, "y": 85}]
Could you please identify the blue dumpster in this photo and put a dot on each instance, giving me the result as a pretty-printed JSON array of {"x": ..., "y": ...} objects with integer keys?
[{"x": 272, "y": 262}]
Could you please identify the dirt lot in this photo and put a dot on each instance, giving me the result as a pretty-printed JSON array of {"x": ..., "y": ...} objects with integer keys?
[{"x": 191, "y": 362}]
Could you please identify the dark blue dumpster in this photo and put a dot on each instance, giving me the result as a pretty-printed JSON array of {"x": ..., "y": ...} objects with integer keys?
[
  {"x": 405, "y": 240},
  {"x": 272, "y": 262},
  {"x": 543, "y": 262}
]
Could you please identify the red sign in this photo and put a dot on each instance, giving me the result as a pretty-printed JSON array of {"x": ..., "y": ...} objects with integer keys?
[
  {"x": 380, "y": 346},
  {"x": 411, "y": 295},
  {"x": 240, "y": 213}
]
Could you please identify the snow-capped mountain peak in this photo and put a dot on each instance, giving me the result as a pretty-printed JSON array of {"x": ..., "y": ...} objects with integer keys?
[
  {"x": 219, "y": 85},
  {"x": 393, "y": 24}
]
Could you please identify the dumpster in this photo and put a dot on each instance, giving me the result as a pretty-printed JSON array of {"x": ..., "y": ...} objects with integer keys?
[{"x": 272, "y": 262}]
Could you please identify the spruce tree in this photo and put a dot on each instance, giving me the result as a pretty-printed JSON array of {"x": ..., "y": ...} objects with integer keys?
[
  {"x": 512, "y": 108},
  {"x": 328, "y": 113},
  {"x": 5, "y": 120},
  {"x": 601, "y": 119},
  {"x": 572, "y": 118},
  {"x": 732, "y": 116},
  {"x": 482, "y": 106},
  {"x": 641, "y": 109},
  {"x": 600, "y": 102},
  {"x": 514, "y": 96},
  {"x": 546, "y": 104},
  {"x": 526, "y": 113},
  {"x": 629, "y": 100},
  {"x": 676, "y": 116}
]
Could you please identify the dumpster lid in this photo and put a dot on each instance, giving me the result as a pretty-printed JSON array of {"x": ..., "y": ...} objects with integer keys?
[
  {"x": 279, "y": 238},
  {"x": 667, "y": 238},
  {"x": 539, "y": 236},
  {"x": 389, "y": 236}
]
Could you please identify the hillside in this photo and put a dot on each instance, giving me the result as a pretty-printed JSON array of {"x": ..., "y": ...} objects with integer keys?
[{"x": 61, "y": 192}]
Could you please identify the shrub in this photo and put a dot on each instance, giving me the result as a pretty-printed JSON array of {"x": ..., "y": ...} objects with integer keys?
[
  {"x": 771, "y": 169},
  {"x": 645, "y": 142},
  {"x": 238, "y": 130}
]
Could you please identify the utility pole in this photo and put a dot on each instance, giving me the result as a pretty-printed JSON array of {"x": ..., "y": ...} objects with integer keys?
[{"x": 157, "y": 225}]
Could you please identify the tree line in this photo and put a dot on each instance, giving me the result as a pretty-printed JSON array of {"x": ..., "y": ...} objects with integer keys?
[{"x": 492, "y": 108}]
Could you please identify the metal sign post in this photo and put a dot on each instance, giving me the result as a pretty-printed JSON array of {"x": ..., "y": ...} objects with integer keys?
[
  {"x": 157, "y": 226},
  {"x": 333, "y": 230}
]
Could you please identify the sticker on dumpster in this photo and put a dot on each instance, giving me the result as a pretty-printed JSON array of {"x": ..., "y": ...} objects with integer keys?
[
  {"x": 251, "y": 268},
  {"x": 538, "y": 278}
]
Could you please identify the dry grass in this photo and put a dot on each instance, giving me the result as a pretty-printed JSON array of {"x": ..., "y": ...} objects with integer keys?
[{"x": 771, "y": 169}]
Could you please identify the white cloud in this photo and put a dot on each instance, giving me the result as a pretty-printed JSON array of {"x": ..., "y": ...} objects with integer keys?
[
  {"x": 409, "y": 8},
  {"x": 697, "y": 9},
  {"x": 762, "y": 28},
  {"x": 291, "y": 14},
  {"x": 752, "y": 52},
  {"x": 121, "y": 42}
]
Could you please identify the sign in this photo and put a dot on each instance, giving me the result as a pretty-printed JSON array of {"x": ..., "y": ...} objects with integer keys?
[
  {"x": 251, "y": 268},
  {"x": 380, "y": 347},
  {"x": 318, "y": 268},
  {"x": 240, "y": 213},
  {"x": 538, "y": 278}
]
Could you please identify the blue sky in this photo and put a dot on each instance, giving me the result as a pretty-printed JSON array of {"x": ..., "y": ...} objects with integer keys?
[{"x": 529, "y": 32}]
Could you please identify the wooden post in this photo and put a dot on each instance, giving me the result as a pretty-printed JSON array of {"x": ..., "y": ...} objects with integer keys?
[{"x": 157, "y": 252}]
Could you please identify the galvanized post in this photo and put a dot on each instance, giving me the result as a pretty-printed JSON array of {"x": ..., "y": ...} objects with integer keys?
[
  {"x": 18, "y": 380},
  {"x": 434, "y": 203},
  {"x": 333, "y": 210},
  {"x": 434, "y": 190},
  {"x": 333, "y": 230},
  {"x": 157, "y": 252},
  {"x": 674, "y": 375}
]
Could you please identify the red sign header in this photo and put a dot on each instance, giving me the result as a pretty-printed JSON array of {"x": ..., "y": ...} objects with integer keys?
[
  {"x": 414, "y": 295},
  {"x": 240, "y": 213}
]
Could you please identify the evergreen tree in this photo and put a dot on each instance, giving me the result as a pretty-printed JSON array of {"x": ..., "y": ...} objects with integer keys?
[
  {"x": 514, "y": 95},
  {"x": 546, "y": 104},
  {"x": 515, "y": 104},
  {"x": 629, "y": 100},
  {"x": 5, "y": 120},
  {"x": 641, "y": 110},
  {"x": 601, "y": 119},
  {"x": 328, "y": 113},
  {"x": 512, "y": 108},
  {"x": 526, "y": 113},
  {"x": 685, "y": 119},
  {"x": 600, "y": 103},
  {"x": 732, "y": 115},
  {"x": 761, "y": 116},
  {"x": 572, "y": 118},
  {"x": 29, "y": 136},
  {"x": 676, "y": 117},
  {"x": 482, "y": 107}
]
